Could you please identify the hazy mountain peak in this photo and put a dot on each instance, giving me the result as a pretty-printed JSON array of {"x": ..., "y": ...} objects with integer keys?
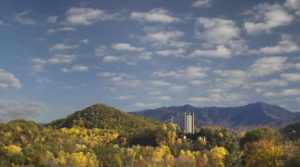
[{"x": 247, "y": 116}]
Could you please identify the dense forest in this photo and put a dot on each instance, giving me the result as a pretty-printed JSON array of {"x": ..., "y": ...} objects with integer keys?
[{"x": 101, "y": 136}]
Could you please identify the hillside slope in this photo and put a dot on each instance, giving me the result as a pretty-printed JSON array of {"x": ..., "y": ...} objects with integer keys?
[
  {"x": 104, "y": 117},
  {"x": 292, "y": 131},
  {"x": 243, "y": 117}
]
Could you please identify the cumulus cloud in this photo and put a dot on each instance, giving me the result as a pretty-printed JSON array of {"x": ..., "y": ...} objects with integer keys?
[
  {"x": 76, "y": 68},
  {"x": 112, "y": 59},
  {"x": 191, "y": 72},
  {"x": 171, "y": 52},
  {"x": 292, "y": 4},
  {"x": 220, "y": 52},
  {"x": 227, "y": 79},
  {"x": 271, "y": 83},
  {"x": 217, "y": 30},
  {"x": 86, "y": 16},
  {"x": 142, "y": 105},
  {"x": 289, "y": 92},
  {"x": 266, "y": 17},
  {"x": 61, "y": 46},
  {"x": 291, "y": 77},
  {"x": 8, "y": 81},
  {"x": 23, "y": 19},
  {"x": 101, "y": 51},
  {"x": 215, "y": 98},
  {"x": 145, "y": 56},
  {"x": 160, "y": 83},
  {"x": 163, "y": 98},
  {"x": 201, "y": 3},
  {"x": 2, "y": 23},
  {"x": 120, "y": 78},
  {"x": 159, "y": 15},
  {"x": 85, "y": 41},
  {"x": 163, "y": 37},
  {"x": 38, "y": 63},
  {"x": 126, "y": 97},
  {"x": 15, "y": 109},
  {"x": 177, "y": 88},
  {"x": 61, "y": 29},
  {"x": 267, "y": 65},
  {"x": 52, "y": 19},
  {"x": 126, "y": 47},
  {"x": 297, "y": 66},
  {"x": 284, "y": 46}
]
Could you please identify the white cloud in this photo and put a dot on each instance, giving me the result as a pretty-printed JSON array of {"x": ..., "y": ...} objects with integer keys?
[
  {"x": 2, "y": 23},
  {"x": 197, "y": 82},
  {"x": 292, "y": 4},
  {"x": 201, "y": 3},
  {"x": 112, "y": 74},
  {"x": 290, "y": 92},
  {"x": 215, "y": 98},
  {"x": 177, "y": 88},
  {"x": 126, "y": 47},
  {"x": 145, "y": 56},
  {"x": 160, "y": 83},
  {"x": 291, "y": 77},
  {"x": 230, "y": 78},
  {"x": 217, "y": 30},
  {"x": 38, "y": 63},
  {"x": 120, "y": 78},
  {"x": 52, "y": 19},
  {"x": 61, "y": 29},
  {"x": 8, "y": 81},
  {"x": 76, "y": 68},
  {"x": 111, "y": 59},
  {"x": 191, "y": 72},
  {"x": 159, "y": 15},
  {"x": 126, "y": 97},
  {"x": 86, "y": 16},
  {"x": 199, "y": 100},
  {"x": 267, "y": 65},
  {"x": 61, "y": 46},
  {"x": 220, "y": 52},
  {"x": 163, "y": 36},
  {"x": 163, "y": 98},
  {"x": 168, "y": 52},
  {"x": 283, "y": 46},
  {"x": 20, "y": 18},
  {"x": 15, "y": 109},
  {"x": 267, "y": 17},
  {"x": 147, "y": 106},
  {"x": 271, "y": 83},
  {"x": 101, "y": 51},
  {"x": 85, "y": 41},
  {"x": 297, "y": 66}
]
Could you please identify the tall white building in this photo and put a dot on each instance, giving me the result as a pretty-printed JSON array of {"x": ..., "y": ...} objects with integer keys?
[{"x": 188, "y": 122}]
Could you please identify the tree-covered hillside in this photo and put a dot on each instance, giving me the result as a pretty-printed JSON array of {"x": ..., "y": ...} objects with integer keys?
[
  {"x": 292, "y": 131},
  {"x": 104, "y": 117}
]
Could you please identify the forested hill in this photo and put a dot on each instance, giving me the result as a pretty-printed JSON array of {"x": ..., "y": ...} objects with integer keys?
[
  {"x": 242, "y": 117},
  {"x": 292, "y": 131},
  {"x": 103, "y": 117}
]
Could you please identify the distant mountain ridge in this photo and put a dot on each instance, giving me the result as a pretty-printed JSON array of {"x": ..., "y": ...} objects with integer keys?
[{"x": 252, "y": 115}]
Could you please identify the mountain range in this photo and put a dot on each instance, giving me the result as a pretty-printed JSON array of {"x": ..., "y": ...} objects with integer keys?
[{"x": 252, "y": 115}]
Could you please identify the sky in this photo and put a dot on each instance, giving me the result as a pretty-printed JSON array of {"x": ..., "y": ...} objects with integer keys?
[{"x": 59, "y": 56}]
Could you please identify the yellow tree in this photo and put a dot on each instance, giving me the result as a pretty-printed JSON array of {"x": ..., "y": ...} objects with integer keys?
[
  {"x": 263, "y": 154},
  {"x": 217, "y": 156}
]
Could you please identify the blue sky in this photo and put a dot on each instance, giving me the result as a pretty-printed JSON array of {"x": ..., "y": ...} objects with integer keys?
[{"x": 60, "y": 56}]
